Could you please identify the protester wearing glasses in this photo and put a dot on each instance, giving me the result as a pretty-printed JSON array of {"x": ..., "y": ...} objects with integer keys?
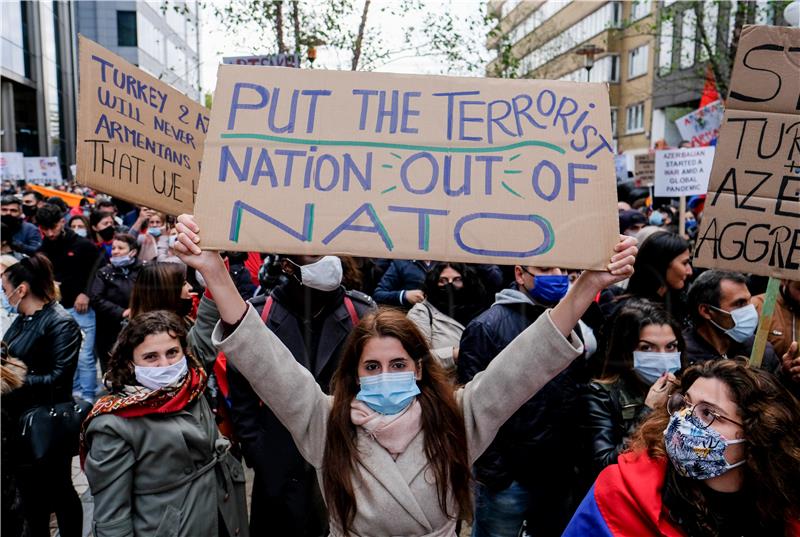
[{"x": 721, "y": 458}]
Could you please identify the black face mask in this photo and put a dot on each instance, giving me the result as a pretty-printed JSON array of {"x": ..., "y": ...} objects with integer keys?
[
  {"x": 447, "y": 298},
  {"x": 13, "y": 222},
  {"x": 106, "y": 234},
  {"x": 29, "y": 211},
  {"x": 185, "y": 307}
]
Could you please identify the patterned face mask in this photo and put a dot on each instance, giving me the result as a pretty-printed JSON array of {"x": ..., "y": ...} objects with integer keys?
[{"x": 696, "y": 452}]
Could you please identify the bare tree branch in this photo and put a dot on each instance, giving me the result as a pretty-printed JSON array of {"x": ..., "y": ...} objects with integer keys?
[{"x": 360, "y": 36}]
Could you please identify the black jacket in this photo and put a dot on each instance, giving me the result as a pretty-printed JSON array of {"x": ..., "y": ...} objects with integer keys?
[
  {"x": 609, "y": 413},
  {"x": 49, "y": 342},
  {"x": 401, "y": 276},
  {"x": 74, "y": 261},
  {"x": 282, "y": 501},
  {"x": 110, "y": 293},
  {"x": 698, "y": 350},
  {"x": 537, "y": 438}
]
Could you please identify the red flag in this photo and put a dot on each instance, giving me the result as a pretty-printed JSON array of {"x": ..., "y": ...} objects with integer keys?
[{"x": 710, "y": 93}]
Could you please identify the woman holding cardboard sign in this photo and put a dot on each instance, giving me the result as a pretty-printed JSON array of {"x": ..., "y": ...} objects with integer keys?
[{"x": 393, "y": 445}]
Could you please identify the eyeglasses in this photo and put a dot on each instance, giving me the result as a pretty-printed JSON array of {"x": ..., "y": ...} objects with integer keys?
[{"x": 702, "y": 412}]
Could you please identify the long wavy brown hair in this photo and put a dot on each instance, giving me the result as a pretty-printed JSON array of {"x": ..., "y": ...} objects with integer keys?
[
  {"x": 442, "y": 421},
  {"x": 771, "y": 419}
]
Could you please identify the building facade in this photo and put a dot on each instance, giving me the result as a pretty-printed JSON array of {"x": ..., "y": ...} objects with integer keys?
[
  {"x": 158, "y": 37},
  {"x": 38, "y": 79},
  {"x": 655, "y": 54},
  {"x": 544, "y": 35}
]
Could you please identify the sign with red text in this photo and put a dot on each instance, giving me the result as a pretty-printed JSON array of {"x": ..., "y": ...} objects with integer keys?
[
  {"x": 701, "y": 127},
  {"x": 139, "y": 139},
  {"x": 412, "y": 167},
  {"x": 751, "y": 221}
]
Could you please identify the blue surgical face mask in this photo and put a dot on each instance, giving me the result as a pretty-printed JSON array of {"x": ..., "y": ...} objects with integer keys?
[
  {"x": 6, "y": 303},
  {"x": 388, "y": 393},
  {"x": 81, "y": 232},
  {"x": 549, "y": 289},
  {"x": 121, "y": 260},
  {"x": 154, "y": 231},
  {"x": 656, "y": 218},
  {"x": 651, "y": 365},
  {"x": 745, "y": 322}
]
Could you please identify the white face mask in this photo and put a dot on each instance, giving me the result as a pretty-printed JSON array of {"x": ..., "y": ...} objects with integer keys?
[
  {"x": 651, "y": 365},
  {"x": 324, "y": 275},
  {"x": 161, "y": 377}
]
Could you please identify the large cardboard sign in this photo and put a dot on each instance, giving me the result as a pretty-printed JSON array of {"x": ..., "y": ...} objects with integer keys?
[
  {"x": 138, "y": 138},
  {"x": 683, "y": 172},
  {"x": 701, "y": 127},
  {"x": 401, "y": 166},
  {"x": 751, "y": 221}
]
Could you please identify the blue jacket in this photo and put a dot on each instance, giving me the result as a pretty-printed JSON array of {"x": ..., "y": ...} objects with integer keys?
[
  {"x": 400, "y": 277},
  {"x": 27, "y": 240}
]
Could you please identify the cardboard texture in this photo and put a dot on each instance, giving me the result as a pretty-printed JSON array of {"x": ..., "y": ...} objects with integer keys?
[
  {"x": 401, "y": 166},
  {"x": 645, "y": 166},
  {"x": 683, "y": 172},
  {"x": 138, "y": 138},
  {"x": 751, "y": 221}
]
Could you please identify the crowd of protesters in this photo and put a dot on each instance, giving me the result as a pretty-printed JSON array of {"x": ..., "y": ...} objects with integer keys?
[{"x": 380, "y": 397}]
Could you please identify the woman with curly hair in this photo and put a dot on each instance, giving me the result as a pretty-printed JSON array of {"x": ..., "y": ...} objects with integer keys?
[
  {"x": 155, "y": 461},
  {"x": 721, "y": 458}
]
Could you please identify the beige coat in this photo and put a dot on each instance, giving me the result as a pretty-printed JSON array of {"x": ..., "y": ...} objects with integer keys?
[
  {"x": 396, "y": 498},
  {"x": 441, "y": 331}
]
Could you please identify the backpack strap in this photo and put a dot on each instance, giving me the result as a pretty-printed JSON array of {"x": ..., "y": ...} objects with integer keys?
[
  {"x": 351, "y": 309},
  {"x": 221, "y": 363}
]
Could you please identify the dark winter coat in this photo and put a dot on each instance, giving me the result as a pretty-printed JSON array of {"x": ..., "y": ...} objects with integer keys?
[
  {"x": 286, "y": 500},
  {"x": 110, "y": 294},
  {"x": 401, "y": 276},
  {"x": 48, "y": 343},
  {"x": 74, "y": 260}
]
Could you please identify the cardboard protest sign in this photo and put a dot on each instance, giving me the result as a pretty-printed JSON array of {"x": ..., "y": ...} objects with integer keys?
[
  {"x": 683, "y": 172},
  {"x": 12, "y": 166},
  {"x": 47, "y": 169},
  {"x": 751, "y": 221},
  {"x": 645, "y": 169},
  {"x": 138, "y": 138},
  {"x": 701, "y": 127},
  {"x": 278, "y": 60},
  {"x": 401, "y": 166}
]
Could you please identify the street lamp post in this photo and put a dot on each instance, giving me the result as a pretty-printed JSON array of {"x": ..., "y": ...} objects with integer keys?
[{"x": 589, "y": 52}]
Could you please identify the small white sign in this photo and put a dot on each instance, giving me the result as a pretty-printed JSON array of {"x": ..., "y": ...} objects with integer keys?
[
  {"x": 45, "y": 169},
  {"x": 683, "y": 172},
  {"x": 701, "y": 127},
  {"x": 276, "y": 60},
  {"x": 12, "y": 166}
]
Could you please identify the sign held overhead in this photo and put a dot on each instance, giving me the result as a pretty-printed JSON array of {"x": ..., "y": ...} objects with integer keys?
[
  {"x": 401, "y": 166},
  {"x": 138, "y": 138},
  {"x": 751, "y": 221}
]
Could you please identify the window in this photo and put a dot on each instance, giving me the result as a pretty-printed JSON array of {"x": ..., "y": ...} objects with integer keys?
[
  {"x": 605, "y": 17},
  {"x": 688, "y": 30},
  {"x": 126, "y": 28},
  {"x": 606, "y": 69},
  {"x": 634, "y": 119},
  {"x": 665, "y": 48},
  {"x": 614, "y": 122},
  {"x": 640, "y": 9},
  {"x": 637, "y": 61},
  {"x": 710, "y": 16},
  {"x": 535, "y": 19}
]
